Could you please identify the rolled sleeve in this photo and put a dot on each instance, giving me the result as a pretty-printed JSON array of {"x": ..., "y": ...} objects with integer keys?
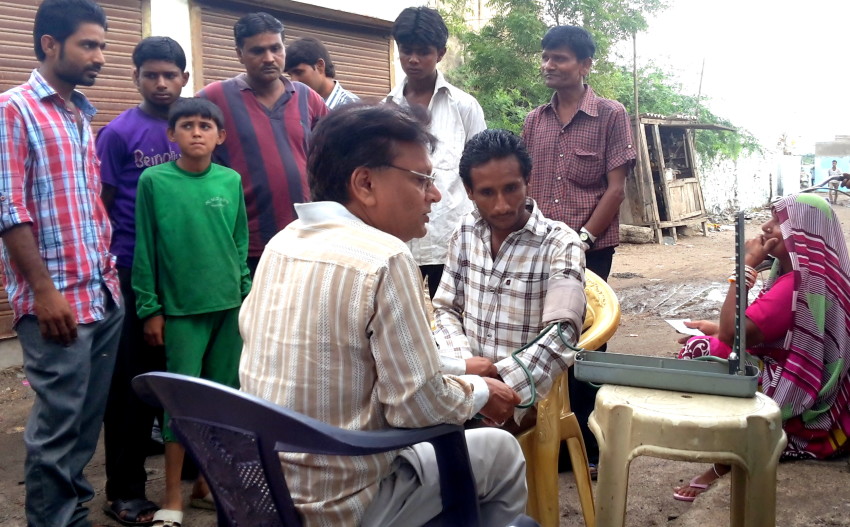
[
  {"x": 14, "y": 157},
  {"x": 620, "y": 149}
]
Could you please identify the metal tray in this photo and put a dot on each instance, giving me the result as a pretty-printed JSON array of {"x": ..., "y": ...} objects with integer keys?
[{"x": 665, "y": 374}]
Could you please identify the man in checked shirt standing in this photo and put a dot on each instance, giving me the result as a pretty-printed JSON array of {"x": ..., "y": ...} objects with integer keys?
[
  {"x": 509, "y": 273},
  {"x": 58, "y": 272},
  {"x": 581, "y": 145}
]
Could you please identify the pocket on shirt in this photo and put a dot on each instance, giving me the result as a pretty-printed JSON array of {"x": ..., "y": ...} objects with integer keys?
[
  {"x": 589, "y": 167},
  {"x": 519, "y": 293}
]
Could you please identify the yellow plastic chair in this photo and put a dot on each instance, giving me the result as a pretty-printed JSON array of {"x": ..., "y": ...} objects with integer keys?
[{"x": 557, "y": 422}]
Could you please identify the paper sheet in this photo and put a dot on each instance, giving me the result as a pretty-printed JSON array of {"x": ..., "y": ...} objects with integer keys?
[{"x": 679, "y": 325}]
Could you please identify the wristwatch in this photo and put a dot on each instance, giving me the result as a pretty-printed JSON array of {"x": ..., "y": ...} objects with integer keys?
[{"x": 586, "y": 238}]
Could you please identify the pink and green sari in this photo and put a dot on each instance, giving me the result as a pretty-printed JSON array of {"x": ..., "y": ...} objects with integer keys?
[{"x": 806, "y": 370}]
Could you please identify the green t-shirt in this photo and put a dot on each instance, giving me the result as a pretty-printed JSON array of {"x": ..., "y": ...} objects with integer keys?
[{"x": 191, "y": 241}]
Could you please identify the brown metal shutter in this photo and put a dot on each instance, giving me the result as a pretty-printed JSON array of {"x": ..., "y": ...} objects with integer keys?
[
  {"x": 361, "y": 54},
  {"x": 114, "y": 90}
]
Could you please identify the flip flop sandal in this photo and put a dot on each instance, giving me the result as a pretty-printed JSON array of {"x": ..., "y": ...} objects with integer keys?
[
  {"x": 207, "y": 502},
  {"x": 131, "y": 509},
  {"x": 168, "y": 518},
  {"x": 701, "y": 487}
]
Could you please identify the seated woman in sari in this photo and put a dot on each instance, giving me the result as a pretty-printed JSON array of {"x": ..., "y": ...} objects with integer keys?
[{"x": 799, "y": 327}]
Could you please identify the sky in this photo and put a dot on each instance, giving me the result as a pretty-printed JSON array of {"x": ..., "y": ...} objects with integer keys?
[{"x": 771, "y": 66}]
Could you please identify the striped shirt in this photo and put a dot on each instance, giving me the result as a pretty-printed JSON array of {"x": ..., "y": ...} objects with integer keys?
[
  {"x": 572, "y": 160},
  {"x": 50, "y": 177},
  {"x": 339, "y": 96},
  {"x": 268, "y": 147},
  {"x": 491, "y": 306},
  {"x": 335, "y": 327}
]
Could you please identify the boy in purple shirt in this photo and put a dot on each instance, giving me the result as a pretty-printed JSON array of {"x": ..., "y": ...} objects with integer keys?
[{"x": 132, "y": 142}]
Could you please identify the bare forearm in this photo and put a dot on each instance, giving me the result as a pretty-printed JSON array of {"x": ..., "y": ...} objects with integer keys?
[
  {"x": 609, "y": 203},
  {"x": 20, "y": 243}
]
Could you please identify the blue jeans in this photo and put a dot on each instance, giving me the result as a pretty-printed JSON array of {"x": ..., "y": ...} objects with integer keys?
[{"x": 71, "y": 385}]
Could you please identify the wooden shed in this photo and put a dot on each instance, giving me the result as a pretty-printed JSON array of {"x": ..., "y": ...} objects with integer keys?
[{"x": 664, "y": 191}]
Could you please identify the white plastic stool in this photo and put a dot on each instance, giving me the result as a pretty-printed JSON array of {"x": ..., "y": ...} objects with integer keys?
[{"x": 743, "y": 432}]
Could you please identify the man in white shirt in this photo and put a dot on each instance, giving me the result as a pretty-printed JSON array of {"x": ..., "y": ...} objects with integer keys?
[
  {"x": 456, "y": 116},
  {"x": 336, "y": 328}
]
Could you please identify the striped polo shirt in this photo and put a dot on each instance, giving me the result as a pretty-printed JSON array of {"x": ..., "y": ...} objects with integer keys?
[{"x": 268, "y": 147}]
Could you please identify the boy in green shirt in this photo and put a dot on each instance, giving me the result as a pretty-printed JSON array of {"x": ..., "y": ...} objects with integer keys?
[{"x": 189, "y": 270}]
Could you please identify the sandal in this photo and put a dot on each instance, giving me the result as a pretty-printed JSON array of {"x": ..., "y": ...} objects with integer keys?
[
  {"x": 128, "y": 512},
  {"x": 168, "y": 518},
  {"x": 699, "y": 487}
]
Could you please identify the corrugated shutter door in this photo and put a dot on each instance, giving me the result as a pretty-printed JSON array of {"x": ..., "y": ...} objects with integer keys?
[
  {"x": 361, "y": 55},
  {"x": 114, "y": 90}
]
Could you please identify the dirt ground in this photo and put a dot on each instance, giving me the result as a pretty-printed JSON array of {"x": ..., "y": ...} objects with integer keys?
[{"x": 654, "y": 283}]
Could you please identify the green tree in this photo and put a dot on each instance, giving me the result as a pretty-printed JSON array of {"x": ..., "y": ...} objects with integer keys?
[{"x": 500, "y": 65}]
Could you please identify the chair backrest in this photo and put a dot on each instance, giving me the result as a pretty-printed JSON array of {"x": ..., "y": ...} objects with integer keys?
[
  {"x": 235, "y": 439},
  {"x": 602, "y": 315}
]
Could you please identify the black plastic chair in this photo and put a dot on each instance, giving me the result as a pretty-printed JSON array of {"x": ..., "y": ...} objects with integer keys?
[{"x": 235, "y": 439}]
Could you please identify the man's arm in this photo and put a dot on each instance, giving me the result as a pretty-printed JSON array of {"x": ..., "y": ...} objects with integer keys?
[
  {"x": 55, "y": 317},
  {"x": 473, "y": 118},
  {"x": 564, "y": 303},
  {"x": 410, "y": 385},
  {"x": 609, "y": 203}
]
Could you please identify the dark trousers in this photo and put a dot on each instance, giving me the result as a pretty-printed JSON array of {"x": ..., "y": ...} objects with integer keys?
[
  {"x": 583, "y": 395},
  {"x": 433, "y": 273},
  {"x": 71, "y": 384},
  {"x": 128, "y": 421}
]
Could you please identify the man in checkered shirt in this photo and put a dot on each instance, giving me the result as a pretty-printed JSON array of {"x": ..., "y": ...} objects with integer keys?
[
  {"x": 581, "y": 145},
  {"x": 509, "y": 273}
]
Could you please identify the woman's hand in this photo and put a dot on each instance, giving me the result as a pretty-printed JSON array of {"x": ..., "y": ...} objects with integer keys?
[
  {"x": 758, "y": 249},
  {"x": 708, "y": 328}
]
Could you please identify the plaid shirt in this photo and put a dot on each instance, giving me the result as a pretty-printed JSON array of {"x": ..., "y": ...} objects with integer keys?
[
  {"x": 490, "y": 307},
  {"x": 572, "y": 160},
  {"x": 50, "y": 177}
]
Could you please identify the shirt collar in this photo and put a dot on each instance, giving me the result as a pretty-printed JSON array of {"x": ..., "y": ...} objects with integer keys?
[
  {"x": 535, "y": 224},
  {"x": 43, "y": 90},
  {"x": 397, "y": 95},
  {"x": 588, "y": 103},
  {"x": 242, "y": 83},
  {"x": 321, "y": 211}
]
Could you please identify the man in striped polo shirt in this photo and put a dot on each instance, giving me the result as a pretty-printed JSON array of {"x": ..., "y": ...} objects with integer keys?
[
  {"x": 268, "y": 120},
  {"x": 308, "y": 61}
]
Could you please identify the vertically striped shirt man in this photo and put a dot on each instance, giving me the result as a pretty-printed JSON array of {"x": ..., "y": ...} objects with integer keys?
[
  {"x": 335, "y": 328},
  {"x": 268, "y": 147}
]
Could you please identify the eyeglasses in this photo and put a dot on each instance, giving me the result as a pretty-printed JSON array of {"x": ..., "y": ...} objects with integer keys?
[{"x": 426, "y": 181}]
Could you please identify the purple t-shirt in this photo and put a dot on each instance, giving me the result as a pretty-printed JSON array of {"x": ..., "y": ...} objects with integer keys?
[{"x": 128, "y": 145}]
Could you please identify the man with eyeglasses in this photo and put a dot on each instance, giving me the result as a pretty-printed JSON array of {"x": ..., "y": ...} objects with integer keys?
[{"x": 337, "y": 329}]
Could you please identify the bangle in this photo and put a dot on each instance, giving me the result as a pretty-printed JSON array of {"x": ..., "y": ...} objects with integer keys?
[{"x": 750, "y": 277}]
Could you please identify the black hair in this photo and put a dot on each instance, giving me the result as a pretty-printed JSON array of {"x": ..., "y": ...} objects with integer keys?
[
  {"x": 420, "y": 26},
  {"x": 308, "y": 50},
  {"x": 159, "y": 48},
  {"x": 360, "y": 135},
  {"x": 61, "y": 18},
  {"x": 577, "y": 39},
  {"x": 254, "y": 24},
  {"x": 488, "y": 145},
  {"x": 195, "y": 106}
]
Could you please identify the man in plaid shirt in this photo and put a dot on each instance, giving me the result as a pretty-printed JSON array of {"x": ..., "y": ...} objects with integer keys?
[
  {"x": 509, "y": 273},
  {"x": 582, "y": 150},
  {"x": 57, "y": 269}
]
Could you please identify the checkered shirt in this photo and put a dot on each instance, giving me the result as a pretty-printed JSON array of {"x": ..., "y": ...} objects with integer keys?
[
  {"x": 572, "y": 160},
  {"x": 50, "y": 178},
  {"x": 490, "y": 307}
]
